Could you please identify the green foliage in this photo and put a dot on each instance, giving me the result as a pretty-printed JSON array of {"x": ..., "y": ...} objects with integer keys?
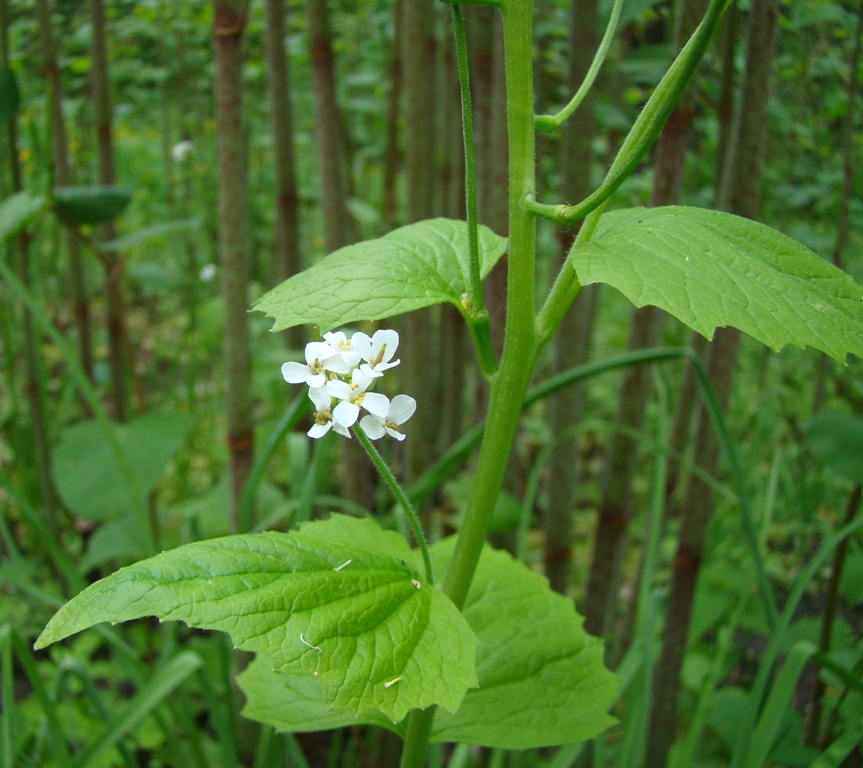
[
  {"x": 10, "y": 98},
  {"x": 17, "y": 211},
  {"x": 541, "y": 677},
  {"x": 85, "y": 465},
  {"x": 710, "y": 269},
  {"x": 837, "y": 439},
  {"x": 339, "y": 599},
  {"x": 91, "y": 205},
  {"x": 412, "y": 267}
]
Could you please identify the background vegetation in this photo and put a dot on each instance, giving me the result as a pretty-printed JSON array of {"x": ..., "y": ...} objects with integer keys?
[{"x": 142, "y": 408}]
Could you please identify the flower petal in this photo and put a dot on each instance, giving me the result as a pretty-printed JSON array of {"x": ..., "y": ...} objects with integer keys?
[
  {"x": 346, "y": 413},
  {"x": 402, "y": 408},
  {"x": 376, "y": 404},
  {"x": 319, "y": 430},
  {"x": 393, "y": 433},
  {"x": 372, "y": 373},
  {"x": 321, "y": 398},
  {"x": 295, "y": 373},
  {"x": 372, "y": 427},
  {"x": 341, "y": 390},
  {"x": 385, "y": 337},
  {"x": 362, "y": 344},
  {"x": 317, "y": 350}
]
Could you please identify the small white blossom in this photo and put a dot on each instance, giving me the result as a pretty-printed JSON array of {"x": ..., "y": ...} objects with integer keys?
[
  {"x": 312, "y": 373},
  {"x": 345, "y": 359},
  {"x": 324, "y": 420},
  {"x": 377, "y": 351},
  {"x": 402, "y": 407},
  {"x": 181, "y": 151},
  {"x": 353, "y": 396},
  {"x": 207, "y": 273}
]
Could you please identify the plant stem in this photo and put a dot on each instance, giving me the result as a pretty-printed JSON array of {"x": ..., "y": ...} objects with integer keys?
[
  {"x": 401, "y": 498},
  {"x": 550, "y": 123},
  {"x": 474, "y": 284},
  {"x": 510, "y": 383},
  {"x": 477, "y": 315}
]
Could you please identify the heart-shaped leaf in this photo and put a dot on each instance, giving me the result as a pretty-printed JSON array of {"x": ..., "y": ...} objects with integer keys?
[
  {"x": 339, "y": 600},
  {"x": 412, "y": 267},
  {"x": 542, "y": 680},
  {"x": 710, "y": 269},
  {"x": 88, "y": 475}
]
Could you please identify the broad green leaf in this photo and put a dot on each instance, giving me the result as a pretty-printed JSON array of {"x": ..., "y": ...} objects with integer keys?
[
  {"x": 710, "y": 269},
  {"x": 9, "y": 95},
  {"x": 17, "y": 211},
  {"x": 412, "y": 267},
  {"x": 542, "y": 680},
  {"x": 86, "y": 471},
  {"x": 837, "y": 439},
  {"x": 91, "y": 205},
  {"x": 296, "y": 703},
  {"x": 339, "y": 599},
  {"x": 541, "y": 677}
]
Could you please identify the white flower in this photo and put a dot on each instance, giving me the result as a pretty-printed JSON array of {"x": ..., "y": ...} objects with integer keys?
[
  {"x": 207, "y": 273},
  {"x": 324, "y": 420},
  {"x": 353, "y": 396},
  {"x": 401, "y": 408},
  {"x": 346, "y": 358},
  {"x": 181, "y": 150},
  {"x": 377, "y": 351},
  {"x": 317, "y": 353}
]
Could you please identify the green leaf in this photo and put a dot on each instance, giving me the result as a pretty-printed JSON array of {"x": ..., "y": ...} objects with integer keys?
[
  {"x": 10, "y": 98},
  {"x": 296, "y": 703},
  {"x": 412, "y": 267},
  {"x": 710, "y": 269},
  {"x": 837, "y": 439},
  {"x": 91, "y": 205},
  {"x": 339, "y": 599},
  {"x": 542, "y": 680},
  {"x": 17, "y": 211},
  {"x": 152, "y": 232},
  {"x": 541, "y": 677},
  {"x": 86, "y": 471}
]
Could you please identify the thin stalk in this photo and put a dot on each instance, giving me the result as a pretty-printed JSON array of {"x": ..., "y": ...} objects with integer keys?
[
  {"x": 510, "y": 383},
  {"x": 474, "y": 285},
  {"x": 400, "y": 496},
  {"x": 550, "y": 123},
  {"x": 477, "y": 316},
  {"x": 646, "y": 128}
]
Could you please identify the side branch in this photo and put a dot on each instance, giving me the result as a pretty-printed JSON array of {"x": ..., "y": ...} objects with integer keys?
[{"x": 646, "y": 128}]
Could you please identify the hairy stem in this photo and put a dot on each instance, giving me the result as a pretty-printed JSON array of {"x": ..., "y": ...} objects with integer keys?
[{"x": 400, "y": 496}]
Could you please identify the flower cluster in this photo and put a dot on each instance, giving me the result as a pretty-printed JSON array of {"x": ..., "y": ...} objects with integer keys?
[{"x": 340, "y": 373}]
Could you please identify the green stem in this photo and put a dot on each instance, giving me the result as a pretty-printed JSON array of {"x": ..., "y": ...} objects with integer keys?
[
  {"x": 417, "y": 738},
  {"x": 517, "y": 360},
  {"x": 646, "y": 128},
  {"x": 550, "y": 123},
  {"x": 474, "y": 312},
  {"x": 475, "y": 302},
  {"x": 510, "y": 384},
  {"x": 402, "y": 499}
]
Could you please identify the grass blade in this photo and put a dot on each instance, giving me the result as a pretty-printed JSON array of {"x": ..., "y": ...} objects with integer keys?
[{"x": 152, "y": 694}]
